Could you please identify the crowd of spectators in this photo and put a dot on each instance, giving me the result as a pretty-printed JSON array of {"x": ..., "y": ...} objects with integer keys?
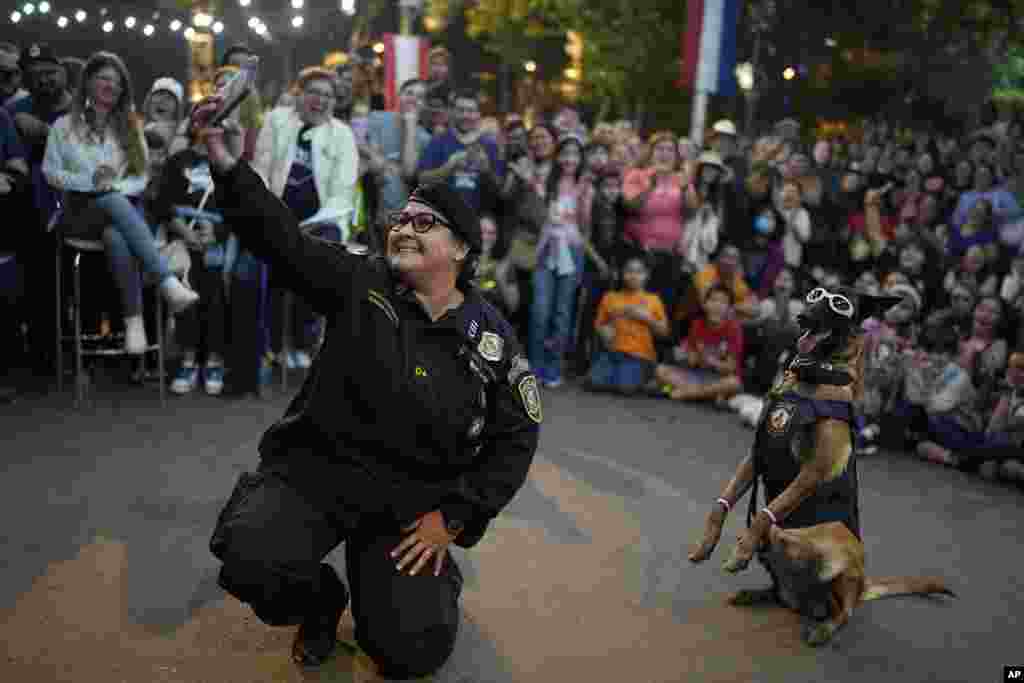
[{"x": 640, "y": 264}]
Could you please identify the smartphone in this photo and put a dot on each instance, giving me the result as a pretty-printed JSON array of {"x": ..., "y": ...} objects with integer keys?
[{"x": 236, "y": 90}]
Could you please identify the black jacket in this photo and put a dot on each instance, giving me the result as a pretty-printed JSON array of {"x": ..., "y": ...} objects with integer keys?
[{"x": 420, "y": 415}]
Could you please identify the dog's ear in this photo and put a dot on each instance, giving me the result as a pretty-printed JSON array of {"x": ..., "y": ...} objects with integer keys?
[{"x": 875, "y": 306}]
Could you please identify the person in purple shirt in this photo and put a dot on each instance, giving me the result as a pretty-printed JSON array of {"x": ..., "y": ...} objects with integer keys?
[
  {"x": 462, "y": 157},
  {"x": 13, "y": 201}
]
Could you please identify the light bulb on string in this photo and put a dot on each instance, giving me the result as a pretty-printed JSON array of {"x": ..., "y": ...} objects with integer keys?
[
  {"x": 244, "y": 3},
  {"x": 190, "y": 33},
  {"x": 44, "y": 7},
  {"x": 129, "y": 22},
  {"x": 80, "y": 16},
  {"x": 148, "y": 30},
  {"x": 62, "y": 22},
  {"x": 108, "y": 26},
  {"x": 175, "y": 26},
  {"x": 28, "y": 9},
  {"x": 218, "y": 27},
  {"x": 15, "y": 17},
  {"x": 297, "y": 21},
  {"x": 297, "y": 4}
]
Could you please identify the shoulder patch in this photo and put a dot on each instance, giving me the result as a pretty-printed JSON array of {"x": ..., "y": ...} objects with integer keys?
[{"x": 531, "y": 398}]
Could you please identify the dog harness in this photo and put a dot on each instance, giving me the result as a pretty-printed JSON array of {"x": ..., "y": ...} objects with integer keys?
[{"x": 784, "y": 436}]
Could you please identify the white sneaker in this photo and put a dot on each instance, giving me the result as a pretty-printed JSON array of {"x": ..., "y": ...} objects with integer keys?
[
  {"x": 303, "y": 361},
  {"x": 135, "y": 335},
  {"x": 178, "y": 296}
]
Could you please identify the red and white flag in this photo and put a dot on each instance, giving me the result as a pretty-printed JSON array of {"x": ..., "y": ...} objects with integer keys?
[
  {"x": 709, "y": 46},
  {"x": 405, "y": 57}
]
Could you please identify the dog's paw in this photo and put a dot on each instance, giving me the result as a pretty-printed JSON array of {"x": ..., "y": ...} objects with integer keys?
[
  {"x": 738, "y": 560},
  {"x": 818, "y": 634},
  {"x": 751, "y": 597}
]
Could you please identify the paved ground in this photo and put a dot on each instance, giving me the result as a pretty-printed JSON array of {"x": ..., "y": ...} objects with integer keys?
[{"x": 105, "y": 577}]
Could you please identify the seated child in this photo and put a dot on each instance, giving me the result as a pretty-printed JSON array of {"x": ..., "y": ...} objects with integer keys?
[
  {"x": 627, "y": 322},
  {"x": 1000, "y": 450},
  {"x": 710, "y": 357}
]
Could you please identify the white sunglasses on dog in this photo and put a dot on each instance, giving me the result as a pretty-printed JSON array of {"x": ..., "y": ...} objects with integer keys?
[{"x": 839, "y": 303}]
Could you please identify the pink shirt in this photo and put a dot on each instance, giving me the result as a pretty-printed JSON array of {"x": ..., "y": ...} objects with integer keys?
[{"x": 659, "y": 224}]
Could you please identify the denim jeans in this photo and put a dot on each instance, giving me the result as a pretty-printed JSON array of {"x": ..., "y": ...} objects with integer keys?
[
  {"x": 613, "y": 369},
  {"x": 551, "y": 318},
  {"x": 136, "y": 234}
]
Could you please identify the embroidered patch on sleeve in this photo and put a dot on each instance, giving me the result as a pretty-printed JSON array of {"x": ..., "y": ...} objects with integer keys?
[{"x": 531, "y": 397}]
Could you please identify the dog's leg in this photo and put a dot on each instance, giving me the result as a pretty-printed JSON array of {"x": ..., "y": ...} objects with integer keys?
[
  {"x": 846, "y": 591},
  {"x": 734, "y": 492}
]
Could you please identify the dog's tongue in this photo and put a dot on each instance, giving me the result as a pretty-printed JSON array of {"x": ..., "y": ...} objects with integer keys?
[{"x": 807, "y": 341}]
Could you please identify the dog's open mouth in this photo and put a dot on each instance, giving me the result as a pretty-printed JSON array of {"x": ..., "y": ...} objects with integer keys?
[{"x": 809, "y": 341}]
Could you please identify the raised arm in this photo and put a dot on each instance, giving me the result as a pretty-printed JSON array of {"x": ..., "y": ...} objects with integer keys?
[{"x": 322, "y": 272}]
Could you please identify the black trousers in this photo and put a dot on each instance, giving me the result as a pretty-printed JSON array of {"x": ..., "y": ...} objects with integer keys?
[
  {"x": 202, "y": 326},
  {"x": 272, "y": 537}
]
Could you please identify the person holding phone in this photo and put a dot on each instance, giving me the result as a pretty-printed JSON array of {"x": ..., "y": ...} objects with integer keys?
[{"x": 415, "y": 428}]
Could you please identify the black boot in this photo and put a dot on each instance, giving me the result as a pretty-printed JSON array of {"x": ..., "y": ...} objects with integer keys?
[{"x": 318, "y": 633}]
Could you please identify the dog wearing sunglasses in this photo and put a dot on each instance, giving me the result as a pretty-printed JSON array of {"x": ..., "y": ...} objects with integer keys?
[{"x": 808, "y": 534}]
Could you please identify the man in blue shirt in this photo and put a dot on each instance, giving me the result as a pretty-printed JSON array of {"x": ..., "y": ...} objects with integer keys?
[{"x": 462, "y": 157}]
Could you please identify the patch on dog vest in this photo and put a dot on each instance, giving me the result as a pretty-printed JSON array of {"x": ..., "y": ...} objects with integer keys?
[
  {"x": 780, "y": 418},
  {"x": 531, "y": 397}
]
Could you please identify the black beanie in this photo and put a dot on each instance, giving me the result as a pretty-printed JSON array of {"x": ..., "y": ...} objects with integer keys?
[{"x": 462, "y": 219}]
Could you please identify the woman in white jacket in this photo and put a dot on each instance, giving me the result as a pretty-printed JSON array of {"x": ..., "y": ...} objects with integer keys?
[
  {"x": 96, "y": 155},
  {"x": 309, "y": 159}
]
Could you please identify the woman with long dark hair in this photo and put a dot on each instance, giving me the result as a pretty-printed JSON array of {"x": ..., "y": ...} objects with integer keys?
[
  {"x": 97, "y": 156},
  {"x": 559, "y": 261}
]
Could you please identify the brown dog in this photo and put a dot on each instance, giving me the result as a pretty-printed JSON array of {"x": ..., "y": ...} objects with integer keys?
[{"x": 808, "y": 534}]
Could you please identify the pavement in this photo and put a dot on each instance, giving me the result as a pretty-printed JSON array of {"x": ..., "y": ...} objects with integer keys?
[{"x": 105, "y": 515}]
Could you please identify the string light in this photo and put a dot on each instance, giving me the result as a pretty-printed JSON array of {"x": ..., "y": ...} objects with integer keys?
[
  {"x": 15, "y": 16},
  {"x": 348, "y": 7},
  {"x": 44, "y": 7},
  {"x": 218, "y": 27},
  {"x": 201, "y": 20},
  {"x": 28, "y": 9},
  {"x": 244, "y": 3},
  {"x": 108, "y": 26},
  {"x": 129, "y": 22},
  {"x": 148, "y": 30},
  {"x": 175, "y": 26},
  {"x": 297, "y": 4},
  {"x": 254, "y": 22},
  {"x": 80, "y": 16},
  {"x": 190, "y": 33},
  {"x": 62, "y": 22},
  {"x": 297, "y": 21}
]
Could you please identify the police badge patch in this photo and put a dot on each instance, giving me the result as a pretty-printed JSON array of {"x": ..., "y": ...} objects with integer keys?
[
  {"x": 491, "y": 346},
  {"x": 531, "y": 397},
  {"x": 779, "y": 419}
]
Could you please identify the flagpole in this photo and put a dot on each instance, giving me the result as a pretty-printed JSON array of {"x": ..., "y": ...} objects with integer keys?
[{"x": 698, "y": 118}]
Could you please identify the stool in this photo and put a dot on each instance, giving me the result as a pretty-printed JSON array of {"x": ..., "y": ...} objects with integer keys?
[{"x": 79, "y": 247}]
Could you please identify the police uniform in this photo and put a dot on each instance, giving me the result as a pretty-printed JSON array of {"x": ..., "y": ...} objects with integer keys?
[{"x": 399, "y": 416}]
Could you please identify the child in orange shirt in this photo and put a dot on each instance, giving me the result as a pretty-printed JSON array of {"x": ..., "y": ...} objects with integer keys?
[
  {"x": 627, "y": 322},
  {"x": 711, "y": 355}
]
